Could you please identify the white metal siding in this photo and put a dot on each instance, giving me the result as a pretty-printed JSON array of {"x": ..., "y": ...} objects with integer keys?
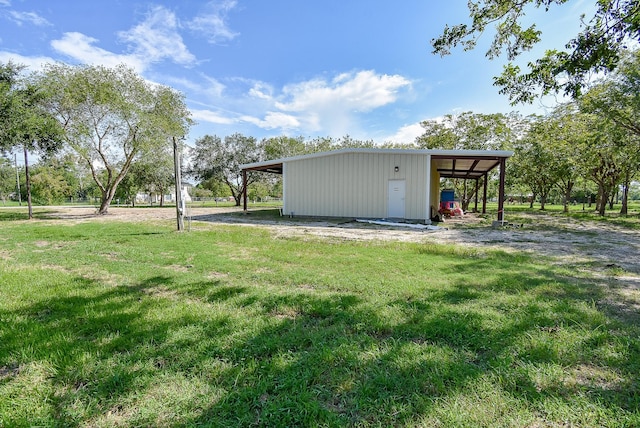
[{"x": 354, "y": 184}]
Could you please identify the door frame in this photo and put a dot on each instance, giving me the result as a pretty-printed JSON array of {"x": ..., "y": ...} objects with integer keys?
[{"x": 399, "y": 204}]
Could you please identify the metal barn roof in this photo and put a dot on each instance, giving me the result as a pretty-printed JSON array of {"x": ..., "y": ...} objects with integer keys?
[{"x": 469, "y": 164}]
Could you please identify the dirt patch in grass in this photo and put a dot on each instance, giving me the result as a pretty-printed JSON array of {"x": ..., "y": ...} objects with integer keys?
[
  {"x": 8, "y": 372},
  {"x": 593, "y": 377},
  {"x": 179, "y": 268},
  {"x": 217, "y": 275}
]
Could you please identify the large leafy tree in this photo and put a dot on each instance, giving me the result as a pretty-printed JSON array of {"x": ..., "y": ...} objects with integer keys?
[
  {"x": 618, "y": 97},
  {"x": 606, "y": 165},
  {"x": 526, "y": 170},
  {"x": 7, "y": 179},
  {"x": 24, "y": 123},
  {"x": 113, "y": 118},
  {"x": 49, "y": 185},
  {"x": 567, "y": 133},
  {"x": 630, "y": 171},
  {"x": 611, "y": 159},
  {"x": 615, "y": 102},
  {"x": 276, "y": 148},
  {"x": 471, "y": 131},
  {"x": 542, "y": 159},
  {"x": 213, "y": 158},
  {"x": 283, "y": 147},
  {"x": 596, "y": 48}
]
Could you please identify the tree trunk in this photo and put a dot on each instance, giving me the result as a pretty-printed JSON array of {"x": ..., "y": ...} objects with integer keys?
[
  {"x": 567, "y": 196},
  {"x": 237, "y": 194},
  {"x": 625, "y": 194},
  {"x": 601, "y": 209},
  {"x": 27, "y": 182},
  {"x": 599, "y": 198},
  {"x": 611, "y": 200},
  {"x": 466, "y": 200},
  {"x": 107, "y": 197},
  {"x": 104, "y": 206},
  {"x": 543, "y": 200},
  {"x": 602, "y": 204},
  {"x": 533, "y": 198}
]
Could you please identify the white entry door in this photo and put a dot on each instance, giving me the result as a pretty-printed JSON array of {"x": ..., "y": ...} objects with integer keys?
[{"x": 395, "y": 206}]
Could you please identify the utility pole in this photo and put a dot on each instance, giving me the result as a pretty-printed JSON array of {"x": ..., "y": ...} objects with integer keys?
[
  {"x": 15, "y": 160},
  {"x": 178, "y": 178}
]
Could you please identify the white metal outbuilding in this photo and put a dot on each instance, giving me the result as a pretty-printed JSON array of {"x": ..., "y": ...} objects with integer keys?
[{"x": 376, "y": 183}]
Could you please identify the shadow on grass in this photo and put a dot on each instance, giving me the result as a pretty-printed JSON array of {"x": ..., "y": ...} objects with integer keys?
[
  {"x": 268, "y": 216},
  {"x": 304, "y": 358},
  {"x": 21, "y": 214}
]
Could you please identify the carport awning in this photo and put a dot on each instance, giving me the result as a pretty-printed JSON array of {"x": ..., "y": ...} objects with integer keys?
[
  {"x": 465, "y": 167},
  {"x": 274, "y": 168}
]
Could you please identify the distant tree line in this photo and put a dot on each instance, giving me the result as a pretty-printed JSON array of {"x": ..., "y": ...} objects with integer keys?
[
  {"x": 589, "y": 146},
  {"x": 105, "y": 133},
  {"x": 89, "y": 119}
]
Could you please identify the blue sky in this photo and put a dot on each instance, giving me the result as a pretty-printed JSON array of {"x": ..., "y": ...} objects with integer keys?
[{"x": 283, "y": 67}]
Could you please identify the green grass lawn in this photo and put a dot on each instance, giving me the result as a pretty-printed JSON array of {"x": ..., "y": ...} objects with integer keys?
[{"x": 133, "y": 324}]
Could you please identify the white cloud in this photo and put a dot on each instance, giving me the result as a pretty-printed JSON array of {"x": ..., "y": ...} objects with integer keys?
[
  {"x": 213, "y": 87},
  {"x": 262, "y": 91},
  {"x": 274, "y": 120},
  {"x": 406, "y": 134},
  {"x": 333, "y": 106},
  {"x": 153, "y": 40},
  {"x": 29, "y": 17},
  {"x": 82, "y": 49},
  {"x": 362, "y": 92},
  {"x": 34, "y": 63},
  {"x": 157, "y": 38},
  {"x": 5, "y": 3},
  {"x": 212, "y": 117},
  {"x": 213, "y": 23},
  {"x": 183, "y": 82},
  {"x": 210, "y": 89}
]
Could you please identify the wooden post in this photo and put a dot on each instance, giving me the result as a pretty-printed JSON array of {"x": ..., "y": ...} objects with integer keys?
[
  {"x": 475, "y": 207},
  {"x": 244, "y": 190},
  {"x": 464, "y": 198},
  {"x": 484, "y": 193},
  {"x": 178, "y": 182},
  {"x": 27, "y": 179},
  {"x": 15, "y": 158},
  {"x": 501, "y": 190}
]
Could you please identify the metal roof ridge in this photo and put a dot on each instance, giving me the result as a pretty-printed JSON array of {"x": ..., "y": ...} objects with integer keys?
[{"x": 500, "y": 153}]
